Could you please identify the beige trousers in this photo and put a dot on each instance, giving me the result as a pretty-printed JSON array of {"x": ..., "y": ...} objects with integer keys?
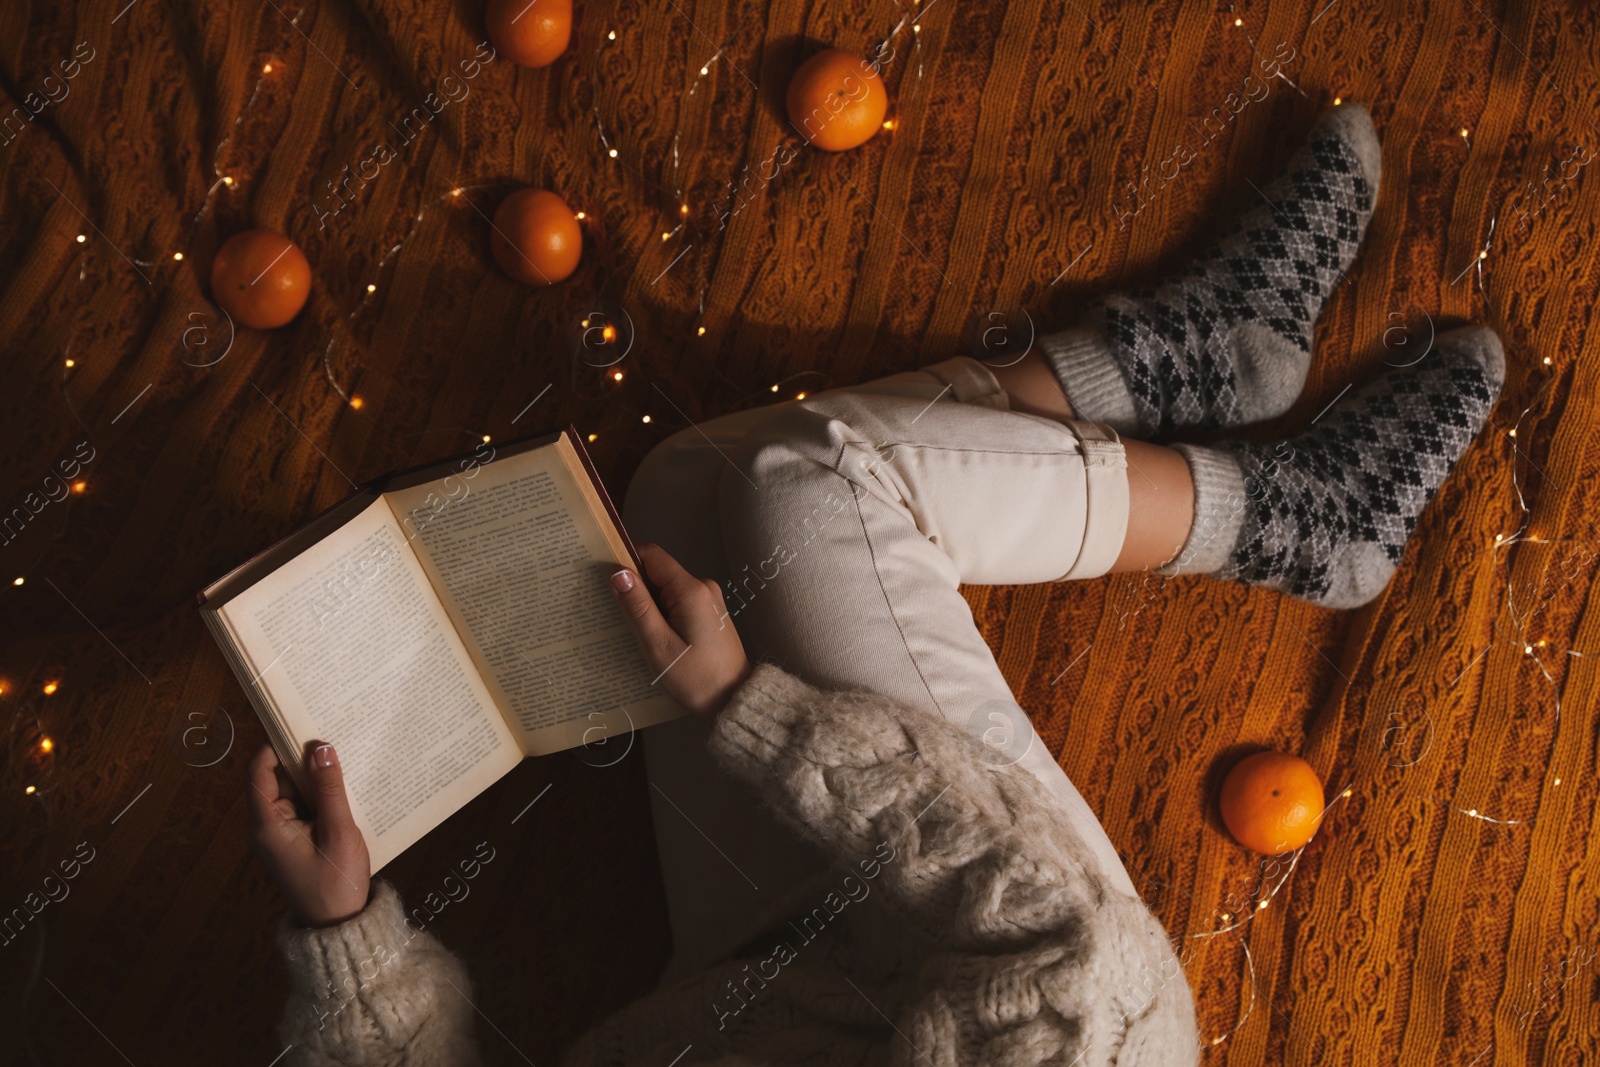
[{"x": 840, "y": 528}]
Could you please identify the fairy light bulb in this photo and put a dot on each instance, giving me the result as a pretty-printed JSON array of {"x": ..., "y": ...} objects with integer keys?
[
  {"x": 82, "y": 238},
  {"x": 177, "y": 257},
  {"x": 701, "y": 332},
  {"x": 617, "y": 377},
  {"x": 645, "y": 419},
  {"x": 29, "y": 790},
  {"x": 72, "y": 363},
  {"x": 372, "y": 288},
  {"x": 46, "y": 745},
  {"x": 18, "y": 580},
  {"x": 1238, "y": 22},
  {"x": 612, "y": 153},
  {"x": 612, "y": 36},
  {"x": 78, "y": 487},
  {"x": 799, "y": 396},
  {"x": 356, "y": 402},
  {"x": 609, "y": 333},
  {"x": 593, "y": 436},
  {"x": 50, "y": 688},
  {"x": 580, "y": 216},
  {"x": 226, "y": 180},
  {"x": 704, "y": 71},
  {"x": 1338, "y": 100},
  {"x": 485, "y": 438},
  {"x": 774, "y": 388}
]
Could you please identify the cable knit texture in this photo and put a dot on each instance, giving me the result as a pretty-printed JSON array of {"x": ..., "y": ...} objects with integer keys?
[
  {"x": 373, "y": 991},
  {"x": 968, "y": 924}
]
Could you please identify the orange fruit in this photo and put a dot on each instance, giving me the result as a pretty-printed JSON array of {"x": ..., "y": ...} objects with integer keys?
[
  {"x": 536, "y": 238},
  {"x": 260, "y": 278},
  {"x": 1272, "y": 802},
  {"x": 530, "y": 33},
  {"x": 836, "y": 100}
]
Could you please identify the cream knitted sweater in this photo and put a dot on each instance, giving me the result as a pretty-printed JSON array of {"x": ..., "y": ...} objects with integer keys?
[{"x": 968, "y": 923}]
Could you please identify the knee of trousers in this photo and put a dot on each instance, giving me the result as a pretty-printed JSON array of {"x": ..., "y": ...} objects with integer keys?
[{"x": 792, "y": 458}]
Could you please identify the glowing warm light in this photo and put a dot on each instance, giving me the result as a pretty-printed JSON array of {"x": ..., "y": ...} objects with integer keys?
[
  {"x": 1474, "y": 811},
  {"x": 372, "y": 288},
  {"x": 227, "y": 181},
  {"x": 267, "y": 69},
  {"x": 701, "y": 332},
  {"x": 356, "y": 402},
  {"x": 683, "y": 209},
  {"x": 455, "y": 192},
  {"x": 916, "y": 29},
  {"x": 609, "y": 333},
  {"x": 78, "y": 487},
  {"x": 888, "y": 124},
  {"x": 612, "y": 153},
  {"x": 617, "y": 376},
  {"x": 593, "y": 436},
  {"x": 50, "y": 688},
  {"x": 177, "y": 257},
  {"x": 1484, "y": 254},
  {"x": 799, "y": 396},
  {"x": 1513, "y": 433},
  {"x": 1499, "y": 537},
  {"x": 485, "y": 438},
  {"x": 1338, "y": 100},
  {"x": 1238, "y": 22},
  {"x": 704, "y": 71},
  {"x": 82, "y": 238},
  {"x": 584, "y": 324},
  {"x": 1262, "y": 904},
  {"x": 1527, "y": 650},
  {"x": 581, "y": 216},
  {"x": 1558, "y": 781},
  {"x": 774, "y": 388},
  {"x": 1463, "y": 131},
  {"x": 72, "y": 363},
  {"x": 665, "y": 236},
  {"x": 29, "y": 790},
  {"x": 612, "y": 36},
  {"x": 1347, "y": 792},
  {"x": 45, "y": 745},
  {"x": 1546, "y": 361},
  {"x": 17, "y": 581},
  {"x": 645, "y": 419}
]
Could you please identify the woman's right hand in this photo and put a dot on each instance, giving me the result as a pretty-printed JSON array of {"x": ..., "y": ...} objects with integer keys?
[{"x": 694, "y": 648}]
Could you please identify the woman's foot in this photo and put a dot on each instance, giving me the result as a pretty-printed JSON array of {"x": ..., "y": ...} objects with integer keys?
[
  {"x": 1325, "y": 515},
  {"x": 1228, "y": 340}
]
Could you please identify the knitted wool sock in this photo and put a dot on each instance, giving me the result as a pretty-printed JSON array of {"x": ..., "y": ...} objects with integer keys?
[
  {"x": 1325, "y": 515},
  {"x": 1228, "y": 340}
]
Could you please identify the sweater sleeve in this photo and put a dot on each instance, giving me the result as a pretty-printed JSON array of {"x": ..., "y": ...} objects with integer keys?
[
  {"x": 1043, "y": 957},
  {"x": 374, "y": 991}
]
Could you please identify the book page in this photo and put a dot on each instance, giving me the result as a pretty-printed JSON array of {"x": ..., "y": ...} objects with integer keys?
[
  {"x": 522, "y": 562},
  {"x": 351, "y": 646}
]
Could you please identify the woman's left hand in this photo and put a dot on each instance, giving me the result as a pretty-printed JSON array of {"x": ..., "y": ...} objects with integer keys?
[
  {"x": 694, "y": 647},
  {"x": 321, "y": 865}
]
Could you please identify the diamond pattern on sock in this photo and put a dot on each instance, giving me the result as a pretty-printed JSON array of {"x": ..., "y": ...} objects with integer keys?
[
  {"x": 1326, "y": 514},
  {"x": 1227, "y": 341}
]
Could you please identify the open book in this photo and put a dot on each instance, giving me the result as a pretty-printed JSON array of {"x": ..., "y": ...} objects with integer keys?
[{"x": 437, "y": 627}]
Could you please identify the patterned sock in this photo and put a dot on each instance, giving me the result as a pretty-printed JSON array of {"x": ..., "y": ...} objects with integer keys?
[
  {"x": 1228, "y": 340},
  {"x": 1325, "y": 515}
]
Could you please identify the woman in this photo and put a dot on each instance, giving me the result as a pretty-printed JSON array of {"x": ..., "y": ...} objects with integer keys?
[{"x": 926, "y": 896}]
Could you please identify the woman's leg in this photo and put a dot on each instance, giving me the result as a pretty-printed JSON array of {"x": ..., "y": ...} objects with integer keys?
[{"x": 1160, "y": 488}]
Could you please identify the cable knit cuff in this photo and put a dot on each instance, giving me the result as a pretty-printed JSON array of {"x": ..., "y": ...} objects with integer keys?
[
  {"x": 373, "y": 990},
  {"x": 1094, "y": 385},
  {"x": 754, "y": 729},
  {"x": 327, "y": 958}
]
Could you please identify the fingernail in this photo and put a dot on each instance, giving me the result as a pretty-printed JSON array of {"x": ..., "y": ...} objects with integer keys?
[
  {"x": 622, "y": 580},
  {"x": 323, "y": 756}
]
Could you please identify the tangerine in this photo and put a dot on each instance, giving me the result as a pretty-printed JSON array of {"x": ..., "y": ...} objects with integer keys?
[
  {"x": 1272, "y": 802},
  {"x": 836, "y": 100},
  {"x": 260, "y": 278},
  {"x": 531, "y": 33},
  {"x": 536, "y": 238}
]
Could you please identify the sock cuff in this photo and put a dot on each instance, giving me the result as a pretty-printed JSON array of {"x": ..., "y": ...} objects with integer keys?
[
  {"x": 1090, "y": 377},
  {"x": 1219, "y": 503}
]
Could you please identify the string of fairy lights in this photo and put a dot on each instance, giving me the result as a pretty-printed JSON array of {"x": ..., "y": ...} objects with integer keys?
[{"x": 30, "y": 737}]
